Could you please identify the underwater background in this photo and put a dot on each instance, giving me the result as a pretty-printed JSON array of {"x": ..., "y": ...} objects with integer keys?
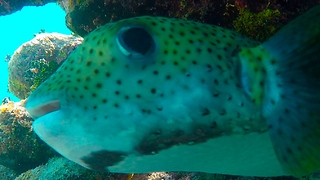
[{"x": 24, "y": 156}]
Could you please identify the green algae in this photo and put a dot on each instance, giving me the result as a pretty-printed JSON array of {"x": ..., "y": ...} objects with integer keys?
[
  {"x": 44, "y": 70},
  {"x": 259, "y": 26}
]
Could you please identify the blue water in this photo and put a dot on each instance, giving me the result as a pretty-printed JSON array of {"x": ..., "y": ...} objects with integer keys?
[{"x": 19, "y": 27}]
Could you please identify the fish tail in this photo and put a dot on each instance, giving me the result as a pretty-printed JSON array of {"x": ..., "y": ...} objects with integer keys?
[{"x": 291, "y": 103}]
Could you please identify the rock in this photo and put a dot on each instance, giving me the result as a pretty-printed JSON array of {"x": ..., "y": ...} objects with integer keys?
[
  {"x": 61, "y": 168},
  {"x": 84, "y": 16},
  {"x": 6, "y": 173},
  {"x": 11, "y": 6},
  {"x": 35, "y": 60},
  {"x": 20, "y": 147}
]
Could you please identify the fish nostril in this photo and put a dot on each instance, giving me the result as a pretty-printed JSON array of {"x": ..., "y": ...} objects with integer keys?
[{"x": 135, "y": 42}]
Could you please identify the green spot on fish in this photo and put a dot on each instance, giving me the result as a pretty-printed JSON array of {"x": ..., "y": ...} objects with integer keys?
[{"x": 156, "y": 94}]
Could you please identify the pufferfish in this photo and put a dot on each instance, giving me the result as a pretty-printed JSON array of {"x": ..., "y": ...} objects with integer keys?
[{"x": 157, "y": 94}]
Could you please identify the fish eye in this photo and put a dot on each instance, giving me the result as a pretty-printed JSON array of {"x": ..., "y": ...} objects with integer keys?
[{"x": 135, "y": 42}]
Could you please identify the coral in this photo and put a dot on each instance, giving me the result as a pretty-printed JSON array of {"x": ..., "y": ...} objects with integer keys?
[
  {"x": 258, "y": 26},
  {"x": 37, "y": 59},
  {"x": 20, "y": 148}
]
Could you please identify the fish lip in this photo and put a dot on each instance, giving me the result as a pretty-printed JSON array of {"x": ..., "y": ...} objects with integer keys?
[{"x": 43, "y": 109}]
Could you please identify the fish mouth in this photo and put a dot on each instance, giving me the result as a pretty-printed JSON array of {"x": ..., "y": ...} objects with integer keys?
[{"x": 43, "y": 109}]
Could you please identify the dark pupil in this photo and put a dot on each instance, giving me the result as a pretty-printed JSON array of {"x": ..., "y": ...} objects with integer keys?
[{"x": 138, "y": 40}]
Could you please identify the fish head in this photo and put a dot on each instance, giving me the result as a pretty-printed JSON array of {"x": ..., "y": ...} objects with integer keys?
[{"x": 139, "y": 86}]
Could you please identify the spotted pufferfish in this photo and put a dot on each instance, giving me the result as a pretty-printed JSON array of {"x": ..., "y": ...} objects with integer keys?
[{"x": 157, "y": 94}]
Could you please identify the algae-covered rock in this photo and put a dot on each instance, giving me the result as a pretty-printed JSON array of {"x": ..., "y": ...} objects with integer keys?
[
  {"x": 36, "y": 60},
  {"x": 84, "y": 16},
  {"x": 61, "y": 168},
  {"x": 259, "y": 26},
  {"x": 20, "y": 147},
  {"x": 11, "y": 6},
  {"x": 6, "y": 173}
]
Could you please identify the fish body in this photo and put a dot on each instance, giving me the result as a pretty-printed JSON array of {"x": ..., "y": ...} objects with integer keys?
[{"x": 157, "y": 94}]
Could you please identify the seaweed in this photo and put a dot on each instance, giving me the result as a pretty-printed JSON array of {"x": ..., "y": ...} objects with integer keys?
[{"x": 259, "y": 26}]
